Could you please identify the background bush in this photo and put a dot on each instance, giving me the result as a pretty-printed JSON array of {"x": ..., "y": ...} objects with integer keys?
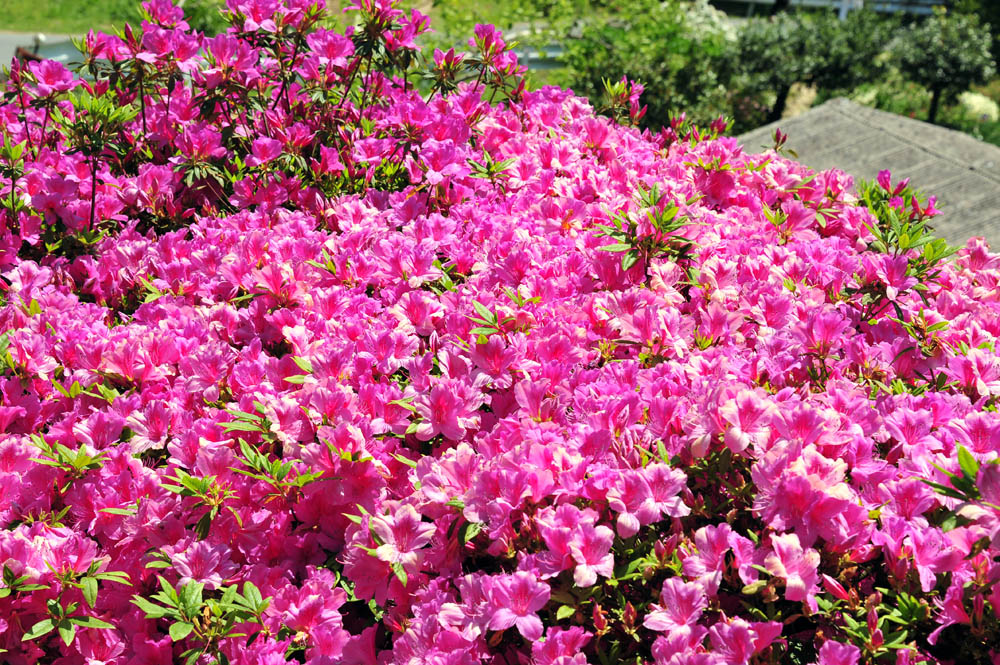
[
  {"x": 947, "y": 53},
  {"x": 682, "y": 53}
]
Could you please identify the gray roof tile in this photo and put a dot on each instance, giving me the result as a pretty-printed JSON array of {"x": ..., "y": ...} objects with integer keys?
[{"x": 962, "y": 172}]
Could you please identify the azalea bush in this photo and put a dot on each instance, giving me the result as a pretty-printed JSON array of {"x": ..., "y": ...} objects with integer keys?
[{"x": 300, "y": 364}]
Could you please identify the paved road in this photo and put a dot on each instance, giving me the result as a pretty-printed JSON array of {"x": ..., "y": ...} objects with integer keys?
[
  {"x": 962, "y": 172},
  {"x": 10, "y": 41}
]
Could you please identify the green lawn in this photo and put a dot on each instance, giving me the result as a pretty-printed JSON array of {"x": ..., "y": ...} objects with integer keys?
[{"x": 66, "y": 16}]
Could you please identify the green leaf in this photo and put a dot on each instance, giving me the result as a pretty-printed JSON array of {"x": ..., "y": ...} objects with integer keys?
[
  {"x": 565, "y": 612},
  {"x": 483, "y": 312},
  {"x": 944, "y": 489},
  {"x": 118, "y": 511},
  {"x": 243, "y": 415},
  {"x": 405, "y": 403},
  {"x": 241, "y": 426},
  {"x": 400, "y": 572},
  {"x": 617, "y": 247},
  {"x": 405, "y": 460},
  {"x": 202, "y": 526},
  {"x": 152, "y": 610},
  {"x": 67, "y": 631},
  {"x": 252, "y": 594},
  {"x": 470, "y": 530},
  {"x": 91, "y": 622},
  {"x": 89, "y": 587},
  {"x": 190, "y": 598},
  {"x": 179, "y": 630},
  {"x": 43, "y": 627},
  {"x": 303, "y": 364},
  {"x": 629, "y": 259},
  {"x": 482, "y": 330},
  {"x": 297, "y": 379},
  {"x": 968, "y": 463}
]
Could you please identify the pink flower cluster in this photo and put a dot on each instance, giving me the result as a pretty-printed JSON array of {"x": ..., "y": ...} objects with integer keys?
[{"x": 375, "y": 358}]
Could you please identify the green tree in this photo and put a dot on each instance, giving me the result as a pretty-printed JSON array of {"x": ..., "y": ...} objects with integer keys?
[
  {"x": 813, "y": 48},
  {"x": 988, "y": 12},
  {"x": 777, "y": 52},
  {"x": 947, "y": 53}
]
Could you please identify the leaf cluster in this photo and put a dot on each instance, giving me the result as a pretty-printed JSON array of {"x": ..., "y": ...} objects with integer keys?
[{"x": 204, "y": 621}]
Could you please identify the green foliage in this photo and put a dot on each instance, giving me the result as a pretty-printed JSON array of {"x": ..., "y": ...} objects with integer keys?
[
  {"x": 537, "y": 20},
  {"x": 204, "y": 16},
  {"x": 65, "y": 619},
  {"x": 74, "y": 463},
  {"x": 285, "y": 480},
  {"x": 637, "y": 242},
  {"x": 14, "y": 584},
  {"x": 900, "y": 231},
  {"x": 946, "y": 53},
  {"x": 816, "y": 49},
  {"x": 67, "y": 16},
  {"x": 853, "y": 51},
  {"x": 684, "y": 67},
  {"x": 208, "y": 493},
  {"x": 988, "y": 12},
  {"x": 204, "y": 622}
]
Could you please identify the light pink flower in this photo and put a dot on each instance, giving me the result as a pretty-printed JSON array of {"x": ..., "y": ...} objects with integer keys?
[{"x": 796, "y": 566}]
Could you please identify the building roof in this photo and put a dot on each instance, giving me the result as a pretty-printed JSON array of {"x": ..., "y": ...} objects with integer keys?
[{"x": 962, "y": 172}]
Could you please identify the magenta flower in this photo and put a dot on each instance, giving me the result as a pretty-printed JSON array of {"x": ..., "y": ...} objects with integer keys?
[
  {"x": 52, "y": 77},
  {"x": 448, "y": 410},
  {"x": 205, "y": 563},
  {"x": 737, "y": 640},
  {"x": 839, "y": 653},
  {"x": 264, "y": 150},
  {"x": 401, "y": 534},
  {"x": 681, "y": 605},
  {"x": 515, "y": 599}
]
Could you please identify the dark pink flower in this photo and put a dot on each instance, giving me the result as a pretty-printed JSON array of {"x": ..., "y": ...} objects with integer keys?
[{"x": 515, "y": 599}]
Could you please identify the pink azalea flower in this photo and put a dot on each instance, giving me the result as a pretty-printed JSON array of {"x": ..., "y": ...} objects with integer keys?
[
  {"x": 205, "y": 563},
  {"x": 264, "y": 150},
  {"x": 737, "y": 640},
  {"x": 515, "y": 599},
  {"x": 838, "y": 653},
  {"x": 797, "y": 566},
  {"x": 448, "y": 410},
  {"x": 681, "y": 605},
  {"x": 401, "y": 534},
  {"x": 52, "y": 77},
  {"x": 591, "y": 550}
]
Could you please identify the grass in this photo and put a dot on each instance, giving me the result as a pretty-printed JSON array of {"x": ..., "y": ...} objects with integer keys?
[{"x": 66, "y": 16}]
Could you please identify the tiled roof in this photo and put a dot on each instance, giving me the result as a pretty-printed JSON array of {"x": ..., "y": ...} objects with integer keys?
[{"x": 962, "y": 172}]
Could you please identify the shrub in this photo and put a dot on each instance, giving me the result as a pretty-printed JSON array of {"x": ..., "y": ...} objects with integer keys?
[
  {"x": 299, "y": 365},
  {"x": 678, "y": 51}
]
